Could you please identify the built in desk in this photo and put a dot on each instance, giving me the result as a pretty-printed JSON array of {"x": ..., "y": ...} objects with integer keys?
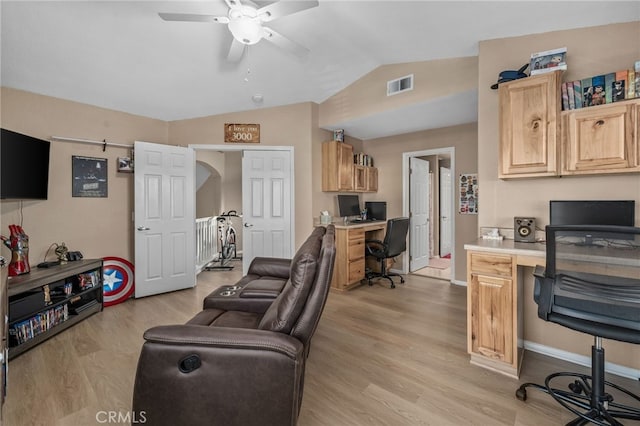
[
  {"x": 349, "y": 269},
  {"x": 494, "y": 301},
  {"x": 495, "y": 285}
]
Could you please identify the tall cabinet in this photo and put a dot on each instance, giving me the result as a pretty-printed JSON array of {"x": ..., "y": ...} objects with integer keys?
[
  {"x": 337, "y": 166},
  {"x": 529, "y": 126}
]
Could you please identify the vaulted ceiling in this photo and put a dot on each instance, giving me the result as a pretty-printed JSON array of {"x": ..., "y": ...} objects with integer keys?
[{"x": 121, "y": 55}]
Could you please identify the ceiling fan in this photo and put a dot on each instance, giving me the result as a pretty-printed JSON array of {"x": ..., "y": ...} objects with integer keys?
[{"x": 245, "y": 21}]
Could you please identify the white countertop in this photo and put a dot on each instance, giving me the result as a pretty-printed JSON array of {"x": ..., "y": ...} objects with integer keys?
[{"x": 507, "y": 247}]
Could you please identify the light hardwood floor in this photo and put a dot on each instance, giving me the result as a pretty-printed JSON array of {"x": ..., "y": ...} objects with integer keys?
[{"x": 379, "y": 357}]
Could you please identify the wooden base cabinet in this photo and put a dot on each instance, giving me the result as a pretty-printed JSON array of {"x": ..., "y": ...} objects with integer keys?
[
  {"x": 492, "y": 312},
  {"x": 350, "y": 266},
  {"x": 349, "y": 269}
]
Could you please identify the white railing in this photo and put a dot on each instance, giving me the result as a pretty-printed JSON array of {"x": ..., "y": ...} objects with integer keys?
[{"x": 206, "y": 242}]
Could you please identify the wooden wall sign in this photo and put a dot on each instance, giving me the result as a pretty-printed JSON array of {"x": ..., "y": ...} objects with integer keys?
[{"x": 242, "y": 133}]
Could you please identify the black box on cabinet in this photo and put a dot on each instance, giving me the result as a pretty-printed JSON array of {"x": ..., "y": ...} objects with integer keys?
[{"x": 26, "y": 304}]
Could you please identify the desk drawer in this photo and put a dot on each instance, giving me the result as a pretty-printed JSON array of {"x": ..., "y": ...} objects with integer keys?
[
  {"x": 356, "y": 250},
  {"x": 356, "y": 270},
  {"x": 356, "y": 235},
  {"x": 491, "y": 264}
]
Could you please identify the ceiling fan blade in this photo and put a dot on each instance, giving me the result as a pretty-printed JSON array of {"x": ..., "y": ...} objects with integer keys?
[
  {"x": 233, "y": 3},
  {"x": 285, "y": 44},
  {"x": 235, "y": 51},
  {"x": 282, "y": 8},
  {"x": 190, "y": 17}
]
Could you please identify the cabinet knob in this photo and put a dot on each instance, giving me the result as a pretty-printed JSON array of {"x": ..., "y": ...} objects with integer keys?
[{"x": 599, "y": 122}]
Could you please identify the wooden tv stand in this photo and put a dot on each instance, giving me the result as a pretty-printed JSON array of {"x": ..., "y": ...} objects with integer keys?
[{"x": 46, "y": 301}]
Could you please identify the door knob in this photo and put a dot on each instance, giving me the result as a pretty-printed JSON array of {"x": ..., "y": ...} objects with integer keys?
[
  {"x": 143, "y": 228},
  {"x": 248, "y": 225}
]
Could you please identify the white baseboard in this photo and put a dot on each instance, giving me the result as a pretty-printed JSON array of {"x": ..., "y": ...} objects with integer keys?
[
  {"x": 619, "y": 370},
  {"x": 460, "y": 283}
]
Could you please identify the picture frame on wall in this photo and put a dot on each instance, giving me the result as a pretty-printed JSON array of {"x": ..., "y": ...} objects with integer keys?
[
  {"x": 468, "y": 187},
  {"x": 125, "y": 164},
  {"x": 89, "y": 177}
]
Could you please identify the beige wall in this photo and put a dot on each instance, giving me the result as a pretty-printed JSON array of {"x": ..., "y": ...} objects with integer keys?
[
  {"x": 97, "y": 227},
  {"x": 368, "y": 95},
  {"x": 387, "y": 155},
  {"x": 289, "y": 125},
  {"x": 590, "y": 51}
]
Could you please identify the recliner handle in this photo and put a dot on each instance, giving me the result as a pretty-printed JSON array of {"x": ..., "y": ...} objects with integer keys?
[{"x": 189, "y": 363}]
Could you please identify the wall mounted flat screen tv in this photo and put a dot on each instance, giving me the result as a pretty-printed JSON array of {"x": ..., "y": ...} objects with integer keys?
[{"x": 24, "y": 167}]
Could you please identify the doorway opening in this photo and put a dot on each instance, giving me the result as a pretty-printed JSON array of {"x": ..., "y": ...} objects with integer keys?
[
  {"x": 256, "y": 183},
  {"x": 432, "y": 204}
]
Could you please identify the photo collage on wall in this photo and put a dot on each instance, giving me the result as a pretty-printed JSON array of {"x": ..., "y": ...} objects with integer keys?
[{"x": 468, "y": 193}]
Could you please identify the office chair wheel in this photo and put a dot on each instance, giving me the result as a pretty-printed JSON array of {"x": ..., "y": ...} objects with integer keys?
[
  {"x": 521, "y": 393},
  {"x": 576, "y": 387},
  {"x": 401, "y": 280}
]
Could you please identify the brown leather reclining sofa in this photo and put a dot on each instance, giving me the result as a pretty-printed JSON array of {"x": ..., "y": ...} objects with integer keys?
[{"x": 241, "y": 360}]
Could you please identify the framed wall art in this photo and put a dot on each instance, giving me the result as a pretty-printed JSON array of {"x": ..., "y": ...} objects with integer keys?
[
  {"x": 468, "y": 186},
  {"x": 89, "y": 176}
]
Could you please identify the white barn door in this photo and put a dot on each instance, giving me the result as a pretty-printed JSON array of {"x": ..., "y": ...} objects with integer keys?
[{"x": 164, "y": 218}]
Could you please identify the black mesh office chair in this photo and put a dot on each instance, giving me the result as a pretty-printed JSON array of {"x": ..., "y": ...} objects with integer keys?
[
  {"x": 395, "y": 242},
  {"x": 591, "y": 284}
]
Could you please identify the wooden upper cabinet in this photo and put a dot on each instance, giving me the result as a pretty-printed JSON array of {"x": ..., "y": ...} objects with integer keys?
[
  {"x": 359, "y": 178},
  {"x": 339, "y": 173},
  {"x": 601, "y": 139},
  {"x": 529, "y": 126},
  {"x": 372, "y": 179},
  {"x": 337, "y": 166}
]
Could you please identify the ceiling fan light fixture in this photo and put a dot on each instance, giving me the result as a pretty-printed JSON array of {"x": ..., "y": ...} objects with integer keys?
[{"x": 246, "y": 30}]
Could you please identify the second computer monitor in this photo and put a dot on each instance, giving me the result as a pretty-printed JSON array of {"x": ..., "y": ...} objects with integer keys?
[{"x": 376, "y": 210}]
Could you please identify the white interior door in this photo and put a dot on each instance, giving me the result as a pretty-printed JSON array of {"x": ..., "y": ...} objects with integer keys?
[
  {"x": 267, "y": 189},
  {"x": 164, "y": 218},
  {"x": 446, "y": 236},
  {"x": 419, "y": 213}
]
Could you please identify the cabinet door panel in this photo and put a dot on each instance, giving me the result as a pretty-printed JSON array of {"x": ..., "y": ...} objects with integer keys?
[
  {"x": 356, "y": 270},
  {"x": 599, "y": 139},
  {"x": 529, "y": 112},
  {"x": 372, "y": 179},
  {"x": 492, "y": 317}
]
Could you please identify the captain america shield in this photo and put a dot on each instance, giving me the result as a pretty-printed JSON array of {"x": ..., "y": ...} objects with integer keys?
[{"x": 117, "y": 280}]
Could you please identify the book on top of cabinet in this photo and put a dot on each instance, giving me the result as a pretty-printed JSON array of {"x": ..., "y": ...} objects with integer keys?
[{"x": 620, "y": 86}]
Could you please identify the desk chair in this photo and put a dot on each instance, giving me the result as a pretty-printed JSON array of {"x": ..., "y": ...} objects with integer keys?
[
  {"x": 395, "y": 242},
  {"x": 591, "y": 284}
]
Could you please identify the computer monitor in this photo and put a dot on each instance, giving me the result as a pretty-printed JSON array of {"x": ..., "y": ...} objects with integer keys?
[
  {"x": 348, "y": 205},
  {"x": 592, "y": 212},
  {"x": 376, "y": 210}
]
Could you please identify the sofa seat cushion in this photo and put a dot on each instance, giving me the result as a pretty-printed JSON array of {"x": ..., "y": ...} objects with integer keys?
[
  {"x": 222, "y": 318},
  {"x": 263, "y": 288}
]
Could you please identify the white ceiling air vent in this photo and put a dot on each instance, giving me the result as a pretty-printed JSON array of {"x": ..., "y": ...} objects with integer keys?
[{"x": 399, "y": 85}]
